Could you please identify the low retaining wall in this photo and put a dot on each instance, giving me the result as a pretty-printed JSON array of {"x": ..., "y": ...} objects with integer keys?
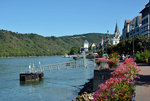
[{"x": 100, "y": 76}]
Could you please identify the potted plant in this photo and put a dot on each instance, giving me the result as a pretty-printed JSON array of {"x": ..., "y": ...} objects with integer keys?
[
  {"x": 113, "y": 62},
  {"x": 101, "y": 60},
  {"x": 114, "y": 55}
]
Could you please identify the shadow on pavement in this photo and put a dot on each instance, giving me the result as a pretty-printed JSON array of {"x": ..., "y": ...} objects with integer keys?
[
  {"x": 144, "y": 80},
  {"x": 142, "y": 64}
]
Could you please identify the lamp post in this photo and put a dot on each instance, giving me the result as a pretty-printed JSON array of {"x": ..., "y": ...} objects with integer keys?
[
  {"x": 133, "y": 39},
  {"x": 102, "y": 44},
  {"x": 107, "y": 40},
  {"x": 149, "y": 33},
  {"x": 149, "y": 28}
]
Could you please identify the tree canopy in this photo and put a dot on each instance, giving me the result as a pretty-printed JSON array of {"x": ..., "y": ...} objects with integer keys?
[{"x": 126, "y": 46}]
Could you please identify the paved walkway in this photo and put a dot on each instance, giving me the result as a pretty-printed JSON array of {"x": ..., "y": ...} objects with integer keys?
[{"x": 143, "y": 84}]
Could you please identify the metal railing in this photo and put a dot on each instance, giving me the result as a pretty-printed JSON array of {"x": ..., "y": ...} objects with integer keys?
[{"x": 64, "y": 65}]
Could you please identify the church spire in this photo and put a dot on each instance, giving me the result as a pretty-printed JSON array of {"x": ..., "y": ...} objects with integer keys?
[
  {"x": 116, "y": 33},
  {"x": 116, "y": 29}
]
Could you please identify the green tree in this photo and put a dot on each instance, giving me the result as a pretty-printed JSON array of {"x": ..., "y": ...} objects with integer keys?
[
  {"x": 74, "y": 50},
  {"x": 30, "y": 44}
]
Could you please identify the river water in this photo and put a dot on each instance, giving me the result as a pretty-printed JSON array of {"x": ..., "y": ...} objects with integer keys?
[{"x": 58, "y": 85}]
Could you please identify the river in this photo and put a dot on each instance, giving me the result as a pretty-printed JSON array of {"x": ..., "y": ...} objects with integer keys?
[{"x": 58, "y": 85}]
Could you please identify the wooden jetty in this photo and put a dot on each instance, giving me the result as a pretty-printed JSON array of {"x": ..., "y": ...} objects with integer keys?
[{"x": 31, "y": 76}]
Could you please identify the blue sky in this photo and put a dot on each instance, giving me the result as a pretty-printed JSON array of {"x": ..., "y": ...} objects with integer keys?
[{"x": 67, "y": 17}]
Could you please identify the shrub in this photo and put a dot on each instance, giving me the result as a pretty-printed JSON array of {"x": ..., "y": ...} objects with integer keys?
[{"x": 142, "y": 57}]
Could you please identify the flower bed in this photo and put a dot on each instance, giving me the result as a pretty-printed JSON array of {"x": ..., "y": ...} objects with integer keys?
[
  {"x": 113, "y": 61},
  {"x": 101, "y": 60},
  {"x": 121, "y": 86},
  {"x": 114, "y": 55}
]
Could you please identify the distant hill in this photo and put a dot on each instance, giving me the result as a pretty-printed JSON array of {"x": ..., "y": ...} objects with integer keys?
[{"x": 17, "y": 44}]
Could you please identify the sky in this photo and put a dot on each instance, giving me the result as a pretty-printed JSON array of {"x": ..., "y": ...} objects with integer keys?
[{"x": 67, "y": 17}]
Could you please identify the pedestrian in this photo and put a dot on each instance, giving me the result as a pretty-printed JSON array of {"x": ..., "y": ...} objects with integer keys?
[{"x": 123, "y": 57}]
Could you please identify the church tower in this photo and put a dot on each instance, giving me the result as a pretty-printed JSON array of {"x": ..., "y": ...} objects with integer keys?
[
  {"x": 117, "y": 33},
  {"x": 115, "y": 40}
]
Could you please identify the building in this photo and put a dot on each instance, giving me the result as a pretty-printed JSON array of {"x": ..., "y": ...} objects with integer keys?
[
  {"x": 86, "y": 45},
  {"x": 135, "y": 27},
  {"x": 101, "y": 45},
  {"x": 145, "y": 20},
  {"x": 132, "y": 28},
  {"x": 138, "y": 26},
  {"x": 93, "y": 46},
  {"x": 115, "y": 40},
  {"x": 107, "y": 40},
  {"x": 126, "y": 30}
]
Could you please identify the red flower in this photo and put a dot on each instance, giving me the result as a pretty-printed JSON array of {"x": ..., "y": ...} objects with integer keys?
[
  {"x": 101, "y": 100},
  {"x": 121, "y": 95},
  {"x": 125, "y": 88},
  {"x": 105, "y": 97},
  {"x": 112, "y": 51}
]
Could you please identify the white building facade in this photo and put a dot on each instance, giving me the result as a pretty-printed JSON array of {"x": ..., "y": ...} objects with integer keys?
[
  {"x": 138, "y": 26},
  {"x": 86, "y": 45},
  {"x": 135, "y": 27},
  {"x": 145, "y": 20}
]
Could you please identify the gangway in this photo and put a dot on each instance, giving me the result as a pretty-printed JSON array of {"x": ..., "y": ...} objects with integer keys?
[
  {"x": 34, "y": 71},
  {"x": 65, "y": 65}
]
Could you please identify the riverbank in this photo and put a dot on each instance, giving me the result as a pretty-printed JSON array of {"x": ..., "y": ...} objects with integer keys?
[
  {"x": 142, "y": 86},
  {"x": 100, "y": 75},
  {"x": 86, "y": 92},
  {"x": 87, "y": 87}
]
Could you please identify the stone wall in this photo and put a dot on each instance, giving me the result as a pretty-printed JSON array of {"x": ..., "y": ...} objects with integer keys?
[{"x": 100, "y": 76}]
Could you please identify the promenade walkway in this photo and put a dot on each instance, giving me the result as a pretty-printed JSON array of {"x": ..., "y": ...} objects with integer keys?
[{"x": 143, "y": 84}]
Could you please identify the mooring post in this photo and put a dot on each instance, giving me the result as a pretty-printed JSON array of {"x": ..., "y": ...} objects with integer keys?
[
  {"x": 50, "y": 68},
  {"x": 40, "y": 66},
  {"x": 84, "y": 59},
  {"x": 30, "y": 68},
  {"x": 75, "y": 63},
  {"x": 94, "y": 62}
]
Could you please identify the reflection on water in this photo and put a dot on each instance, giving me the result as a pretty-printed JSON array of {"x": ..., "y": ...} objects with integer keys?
[
  {"x": 57, "y": 85},
  {"x": 32, "y": 83}
]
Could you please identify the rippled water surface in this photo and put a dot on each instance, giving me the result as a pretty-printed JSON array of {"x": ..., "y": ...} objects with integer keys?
[{"x": 58, "y": 85}]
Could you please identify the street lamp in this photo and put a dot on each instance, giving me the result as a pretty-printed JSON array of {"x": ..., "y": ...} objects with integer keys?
[
  {"x": 149, "y": 33},
  {"x": 133, "y": 38},
  {"x": 107, "y": 40},
  {"x": 149, "y": 28}
]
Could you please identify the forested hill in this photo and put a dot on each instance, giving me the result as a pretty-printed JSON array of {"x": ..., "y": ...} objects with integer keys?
[{"x": 17, "y": 44}]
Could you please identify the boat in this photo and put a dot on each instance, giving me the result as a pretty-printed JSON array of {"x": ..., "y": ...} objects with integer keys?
[{"x": 67, "y": 56}]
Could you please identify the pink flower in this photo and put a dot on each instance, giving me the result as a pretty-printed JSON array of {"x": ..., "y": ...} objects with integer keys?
[
  {"x": 120, "y": 83},
  {"x": 101, "y": 60}
]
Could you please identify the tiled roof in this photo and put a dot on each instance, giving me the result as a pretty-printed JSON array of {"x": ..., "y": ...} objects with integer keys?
[{"x": 127, "y": 21}]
